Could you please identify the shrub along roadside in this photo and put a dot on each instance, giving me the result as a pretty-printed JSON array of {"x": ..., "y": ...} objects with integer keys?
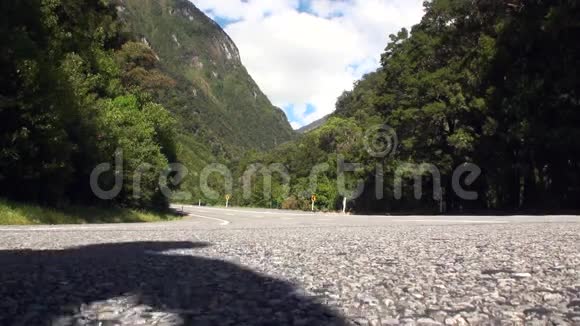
[{"x": 14, "y": 213}]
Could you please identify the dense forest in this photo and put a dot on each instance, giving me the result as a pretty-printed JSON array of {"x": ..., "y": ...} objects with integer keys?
[
  {"x": 490, "y": 83},
  {"x": 72, "y": 95},
  {"x": 485, "y": 83}
]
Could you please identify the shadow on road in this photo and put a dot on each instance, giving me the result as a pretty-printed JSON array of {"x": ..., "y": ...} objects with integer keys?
[{"x": 143, "y": 283}]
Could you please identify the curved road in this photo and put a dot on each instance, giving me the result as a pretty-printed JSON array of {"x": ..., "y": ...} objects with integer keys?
[
  {"x": 235, "y": 266},
  {"x": 259, "y": 218}
]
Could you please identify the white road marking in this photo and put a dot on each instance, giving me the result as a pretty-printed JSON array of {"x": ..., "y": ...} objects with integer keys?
[
  {"x": 452, "y": 221},
  {"x": 196, "y": 236},
  {"x": 207, "y": 209},
  {"x": 222, "y": 222},
  {"x": 410, "y": 220}
]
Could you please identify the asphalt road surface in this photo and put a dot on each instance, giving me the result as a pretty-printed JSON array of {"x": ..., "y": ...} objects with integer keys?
[{"x": 266, "y": 267}]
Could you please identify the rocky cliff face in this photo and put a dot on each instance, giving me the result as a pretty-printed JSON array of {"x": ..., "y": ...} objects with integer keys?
[{"x": 215, "y": 99}]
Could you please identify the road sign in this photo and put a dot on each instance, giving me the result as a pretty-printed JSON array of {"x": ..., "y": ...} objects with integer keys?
[
  {"x": 313, "y": 199},
  {"x": 228, "y": 196}
]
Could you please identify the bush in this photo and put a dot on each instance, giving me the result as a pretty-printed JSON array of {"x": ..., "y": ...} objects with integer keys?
[{"x": 294, "y": 203}]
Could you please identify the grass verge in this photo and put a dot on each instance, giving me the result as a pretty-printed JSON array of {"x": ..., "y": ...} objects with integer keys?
[{"x": 13, "y": 213}]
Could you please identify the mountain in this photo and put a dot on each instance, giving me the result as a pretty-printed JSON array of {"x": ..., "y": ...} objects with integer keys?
[
  {"x": 314, "y": 125},
  {"x": 215, "y": 99}
]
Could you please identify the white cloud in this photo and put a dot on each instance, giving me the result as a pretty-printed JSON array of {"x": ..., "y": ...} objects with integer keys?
[
  {"x": 244, "y": 9},
  {"x": 300, "y": 58}
]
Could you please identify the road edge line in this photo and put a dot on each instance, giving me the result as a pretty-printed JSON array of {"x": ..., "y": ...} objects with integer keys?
[{"x": 223, "y": 222}]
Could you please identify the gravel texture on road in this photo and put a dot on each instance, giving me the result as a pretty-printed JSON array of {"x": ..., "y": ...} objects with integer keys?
[{"x": 457, "y": 274}]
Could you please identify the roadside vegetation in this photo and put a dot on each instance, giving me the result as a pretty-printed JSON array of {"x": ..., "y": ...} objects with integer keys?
[
  {"x": 73, "y": 93},
  {"x": 13, "y": 213}
]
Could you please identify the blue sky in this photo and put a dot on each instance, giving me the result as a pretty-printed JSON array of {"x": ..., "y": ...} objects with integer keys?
[
  {"x": 304, "y": 53},
  {"x": 224, "y": 22}
]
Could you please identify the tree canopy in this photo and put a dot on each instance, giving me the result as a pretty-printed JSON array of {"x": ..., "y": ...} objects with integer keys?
[
  {"x": 70, "y": 97},
  {"x": 492, "y": 83}
]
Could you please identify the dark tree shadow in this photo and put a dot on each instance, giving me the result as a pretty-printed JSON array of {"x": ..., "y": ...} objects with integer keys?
[{"x": 50, "y": 287}]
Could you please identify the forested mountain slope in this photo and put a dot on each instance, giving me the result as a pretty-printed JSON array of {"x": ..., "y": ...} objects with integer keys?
[
  {"x": 123, "y": 88},
  {"x": 489, "y": 83},
  {"x": 312, "y": 126},
  {"x": 214, "y": 97}
]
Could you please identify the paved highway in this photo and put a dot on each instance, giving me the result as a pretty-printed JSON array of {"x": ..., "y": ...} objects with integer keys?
[
  {"x": 238, "y": 266},
  {"x": 259, "y": 218}
]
